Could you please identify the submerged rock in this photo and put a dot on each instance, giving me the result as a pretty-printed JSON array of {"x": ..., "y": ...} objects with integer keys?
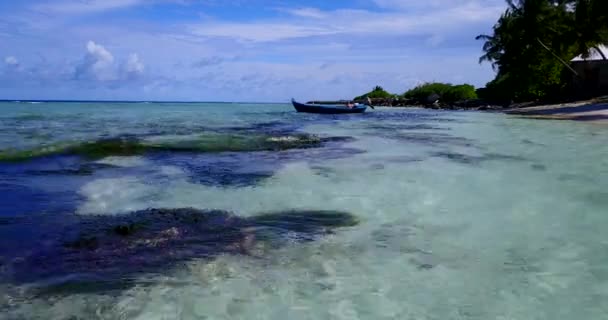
[
  {"x": 110, "y": 249},
  {"x": 538, "y": 167}
]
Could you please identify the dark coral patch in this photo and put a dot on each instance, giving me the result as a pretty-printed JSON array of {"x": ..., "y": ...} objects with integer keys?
[{"x": 111, "y": 249}]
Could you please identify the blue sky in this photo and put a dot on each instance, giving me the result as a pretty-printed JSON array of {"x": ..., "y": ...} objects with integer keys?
[{"x": 241, "y": 50}]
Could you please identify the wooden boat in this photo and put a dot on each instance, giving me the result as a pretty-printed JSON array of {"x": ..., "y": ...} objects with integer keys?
[{"x": 328, "y": 108}]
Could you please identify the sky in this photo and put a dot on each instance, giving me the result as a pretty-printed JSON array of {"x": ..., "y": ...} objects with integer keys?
[{"x": 239, "y": 50}]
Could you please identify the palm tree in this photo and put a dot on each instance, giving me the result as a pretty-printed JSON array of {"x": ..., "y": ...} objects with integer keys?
[
  {"x": 535, "y": 40},
  {"x": 497, "y": 46},
  {"x": 525, "y": 26},
  {"x": 493, "y": 49},
  {"x": 591, "y": 29}
]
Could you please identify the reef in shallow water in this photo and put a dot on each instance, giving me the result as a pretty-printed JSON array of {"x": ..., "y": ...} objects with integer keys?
[
  {"x": 104, "y": 252},
  {"x": 131, "y": 146}
]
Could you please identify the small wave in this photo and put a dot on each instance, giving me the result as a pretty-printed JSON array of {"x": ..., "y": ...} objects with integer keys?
[
  {"x": 12, "y": 155},
  {"x": 123, "y": 161},
  {"x": 283, "y": 139}
]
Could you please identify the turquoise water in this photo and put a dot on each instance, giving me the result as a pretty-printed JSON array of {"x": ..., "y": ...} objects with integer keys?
[{"x": 462, "y": 215}]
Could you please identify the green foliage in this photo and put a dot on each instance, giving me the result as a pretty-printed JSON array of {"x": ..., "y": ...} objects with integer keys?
[
  {"x": 460, "y": 93},
  {"x": 424, "y": 91},
  {"x": 377, "y": 93},
  {"x": 447, "y": 93},
  {"x": 533, "y": 42}
]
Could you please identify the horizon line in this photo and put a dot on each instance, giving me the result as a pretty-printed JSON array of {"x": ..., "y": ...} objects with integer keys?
[{"x": 137, "y": 101}]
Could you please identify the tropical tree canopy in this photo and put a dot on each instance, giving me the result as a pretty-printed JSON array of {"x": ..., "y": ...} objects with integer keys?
[
  {"x": 533, "y": 42},
  {"x": 446, "y": 92},
  {"x": 377, "y": 93}
]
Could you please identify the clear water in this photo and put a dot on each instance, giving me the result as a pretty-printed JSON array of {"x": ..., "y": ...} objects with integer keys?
[{"x": 463, "y": 215}]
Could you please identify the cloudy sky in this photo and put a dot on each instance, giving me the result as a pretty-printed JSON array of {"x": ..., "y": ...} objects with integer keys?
[{"x": 237, "y": 50}]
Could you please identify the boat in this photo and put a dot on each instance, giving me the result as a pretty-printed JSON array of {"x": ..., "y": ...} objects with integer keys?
[{"x": 328, "y": 108}]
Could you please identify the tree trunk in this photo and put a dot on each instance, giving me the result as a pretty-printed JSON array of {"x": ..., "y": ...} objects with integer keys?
[{"x": 566, "y": 64}]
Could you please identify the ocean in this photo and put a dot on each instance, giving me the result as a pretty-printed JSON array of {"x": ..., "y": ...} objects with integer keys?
[{"x": 254, "y": 211}]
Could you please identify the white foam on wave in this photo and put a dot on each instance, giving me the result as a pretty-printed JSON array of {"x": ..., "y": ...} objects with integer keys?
[
  {"x": 116, "y": 196},
  {"x": 126, "y": 162},
  {"x": 296, "y": 186}
]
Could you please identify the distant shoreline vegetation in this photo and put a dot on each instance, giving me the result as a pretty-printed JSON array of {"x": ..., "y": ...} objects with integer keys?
[{"x": 430, "y": 94}]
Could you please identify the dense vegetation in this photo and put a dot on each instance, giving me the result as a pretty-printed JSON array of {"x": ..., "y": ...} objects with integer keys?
[
  {"x": 445, "y": 92},
  {"x": 377, "y": 93},
  {"x": 533, "y": 42}
]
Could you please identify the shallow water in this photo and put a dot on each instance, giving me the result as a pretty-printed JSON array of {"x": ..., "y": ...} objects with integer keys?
[{"x": 462, "y": 215}]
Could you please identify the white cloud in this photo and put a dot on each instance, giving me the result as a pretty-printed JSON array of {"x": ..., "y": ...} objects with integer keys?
[
  {"x": 439, "y": 21},
  {"x": 99, "y": 65},
  {"x": 307, "y": 13},
  {"x": 401, "y": 4},
  {"x": 433, "y": 4},
  {"x": 11, "y": 61},
  {"x": 13, "y": 65},
  {"x": 80, "y": 7},
  {"x": 260, "y": 32},
  {"x": 85, "y": 6},
  {"x": 435, "y": 40},
  {"x": 99, "y": 53},
  {"x": 134, "y": 66}
]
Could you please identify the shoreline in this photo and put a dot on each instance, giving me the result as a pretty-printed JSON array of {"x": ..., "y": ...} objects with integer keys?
[
  {"x": 590, "y": 110},
  {"x": 593, "y": 110}
]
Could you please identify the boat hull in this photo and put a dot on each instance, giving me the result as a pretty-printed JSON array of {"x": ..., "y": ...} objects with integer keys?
[{"x": 327, "y": 109}]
